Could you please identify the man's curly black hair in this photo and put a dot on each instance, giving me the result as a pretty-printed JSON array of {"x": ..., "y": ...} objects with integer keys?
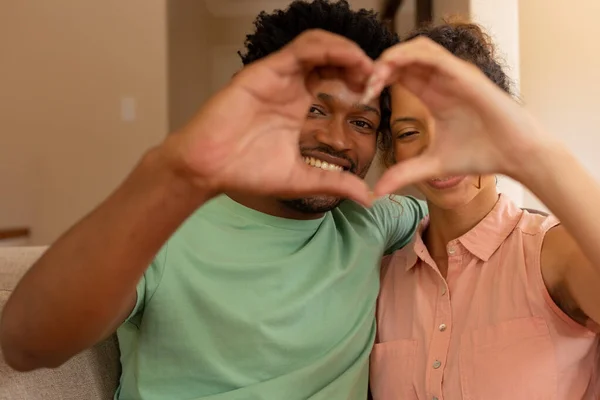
[{"x": 274, "y": 31}]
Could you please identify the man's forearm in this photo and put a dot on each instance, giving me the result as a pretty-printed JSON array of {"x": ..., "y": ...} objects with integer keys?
[{"x": 82, "y": 287}]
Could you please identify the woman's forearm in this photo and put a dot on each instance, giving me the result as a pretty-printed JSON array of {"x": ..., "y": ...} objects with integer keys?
[{"x": 555, "y": 176}]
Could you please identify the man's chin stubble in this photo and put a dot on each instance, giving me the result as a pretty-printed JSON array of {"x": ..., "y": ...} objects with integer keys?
[
  {"x": 319, "y": 204},
  {"x": 313, "y": 205}
]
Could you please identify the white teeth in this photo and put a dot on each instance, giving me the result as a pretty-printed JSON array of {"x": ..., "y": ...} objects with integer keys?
[
  {"x": 442, "y": 179},
  {"x": 314, "y": 162}
]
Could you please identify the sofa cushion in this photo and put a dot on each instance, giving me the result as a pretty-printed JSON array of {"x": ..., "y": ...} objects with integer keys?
[{"x": 92, "y": 374}]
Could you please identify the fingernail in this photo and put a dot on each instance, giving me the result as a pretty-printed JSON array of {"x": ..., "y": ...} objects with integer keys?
[
  {"x": 370, "y": 92},
  {"x": 372, "y": 88},
  {"x": 372, "y": 79},
  {"x": 368, "y": 96}
]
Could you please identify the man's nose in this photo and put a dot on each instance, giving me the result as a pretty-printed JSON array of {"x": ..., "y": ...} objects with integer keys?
[{"x": 334, "y": 135}]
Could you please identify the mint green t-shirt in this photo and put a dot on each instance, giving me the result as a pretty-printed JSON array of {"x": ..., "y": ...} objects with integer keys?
[{"x": 240, "y": 305}]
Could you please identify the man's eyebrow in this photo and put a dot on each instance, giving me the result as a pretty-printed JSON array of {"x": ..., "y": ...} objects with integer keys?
[
  {"x": 325, "y": 97},
  {"x": 367, "y": 108},
  {"x": 405, "y": 119}
]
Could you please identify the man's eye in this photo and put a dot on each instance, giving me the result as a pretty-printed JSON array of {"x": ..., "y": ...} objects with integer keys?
[
  {"x": 315, "y": 111},
  {"x": 363, "y": 124}
]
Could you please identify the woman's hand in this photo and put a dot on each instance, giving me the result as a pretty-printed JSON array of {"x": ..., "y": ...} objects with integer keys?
[{"x": 479, "y": 128}]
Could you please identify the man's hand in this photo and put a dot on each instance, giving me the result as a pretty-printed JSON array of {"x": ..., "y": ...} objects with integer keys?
[
  {"x": 479, "y": 129},
  {"x": 246, "y": 137}
]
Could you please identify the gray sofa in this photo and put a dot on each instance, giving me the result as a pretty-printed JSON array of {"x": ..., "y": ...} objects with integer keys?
[{"x": 92, "y": 375}]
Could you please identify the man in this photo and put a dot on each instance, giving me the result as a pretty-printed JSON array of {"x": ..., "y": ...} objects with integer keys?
[{"x": 260, "y": 286}]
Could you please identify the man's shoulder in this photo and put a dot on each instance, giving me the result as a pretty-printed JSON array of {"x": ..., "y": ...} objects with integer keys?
[
  {"x": 387, "y": 214},
  {"x": 388, "y": 205}
]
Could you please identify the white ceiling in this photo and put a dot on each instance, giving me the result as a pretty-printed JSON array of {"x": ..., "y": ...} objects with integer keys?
[{"x": 237, "y": 8}]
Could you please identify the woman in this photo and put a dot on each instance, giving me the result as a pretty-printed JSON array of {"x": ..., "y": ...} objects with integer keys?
[{"x": 488, "y": 301}]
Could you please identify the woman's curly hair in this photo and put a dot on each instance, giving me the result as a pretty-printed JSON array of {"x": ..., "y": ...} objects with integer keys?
[{"x": 471, "y": 43}]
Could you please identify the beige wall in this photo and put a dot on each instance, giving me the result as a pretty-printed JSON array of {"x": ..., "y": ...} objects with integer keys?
[
  {"x": 188, "y": 59},
  {"x": 65, "y": 66},
  {"x": 227, "y": 38},
  {"x": 449, "y": 8},
  {"x": 560, "y": 73}
]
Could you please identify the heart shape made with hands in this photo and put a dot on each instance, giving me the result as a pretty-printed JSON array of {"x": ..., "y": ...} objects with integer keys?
[{"x": 479, "y": 128}]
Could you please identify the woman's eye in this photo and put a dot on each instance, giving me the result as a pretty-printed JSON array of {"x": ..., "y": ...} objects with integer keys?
[
  {"x": 404, "y": 135},
  {"x": 315, "y": 111}
]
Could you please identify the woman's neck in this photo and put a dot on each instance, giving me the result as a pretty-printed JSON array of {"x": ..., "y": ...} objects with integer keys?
[{"x": 447, "y": 225}]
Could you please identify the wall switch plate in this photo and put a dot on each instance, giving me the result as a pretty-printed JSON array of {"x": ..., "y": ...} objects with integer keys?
[{"x": 128, "y": 109}]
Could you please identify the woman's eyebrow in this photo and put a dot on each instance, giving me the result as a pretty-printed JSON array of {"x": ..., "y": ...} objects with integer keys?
[{"x": 405, "y": 119}]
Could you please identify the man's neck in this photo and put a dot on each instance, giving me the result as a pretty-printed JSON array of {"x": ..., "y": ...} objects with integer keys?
[
  {"x": 271, "y": 206},
  {"x": 447, "y": 225}
]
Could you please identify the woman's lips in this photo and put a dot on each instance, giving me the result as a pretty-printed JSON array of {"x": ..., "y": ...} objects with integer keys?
[{"x": 445, "y": 183}]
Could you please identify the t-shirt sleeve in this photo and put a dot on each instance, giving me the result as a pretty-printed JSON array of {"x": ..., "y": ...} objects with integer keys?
[
  {"x": 398, "y": 218},
  {"x": 147, "y": 285}
]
